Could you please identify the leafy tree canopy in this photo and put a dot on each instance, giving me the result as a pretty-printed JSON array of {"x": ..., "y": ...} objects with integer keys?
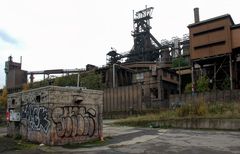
[{"x": 179, "y": 62}]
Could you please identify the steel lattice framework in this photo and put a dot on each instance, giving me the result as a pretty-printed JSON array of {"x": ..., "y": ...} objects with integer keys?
[{"x": 146, "y": 47}]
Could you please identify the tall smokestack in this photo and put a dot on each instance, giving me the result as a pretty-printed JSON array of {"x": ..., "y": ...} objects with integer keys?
[{"x": 196, "y": 15}]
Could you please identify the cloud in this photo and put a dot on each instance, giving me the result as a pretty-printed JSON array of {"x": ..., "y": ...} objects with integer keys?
[{"x": 4, "y": 36}]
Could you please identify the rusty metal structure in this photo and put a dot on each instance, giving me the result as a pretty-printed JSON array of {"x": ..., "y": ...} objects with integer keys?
[
  {"x": 146, "y": 47},
  {"x": 15, "y": 76},
  {"x": 146, "y": 71},
  {"x": 214, "y": 51}
]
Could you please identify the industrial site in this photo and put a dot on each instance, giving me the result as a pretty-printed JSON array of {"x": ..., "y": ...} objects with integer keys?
[
  {"x": 200, "y": 68},
  {"x": 152, "y": 71}
]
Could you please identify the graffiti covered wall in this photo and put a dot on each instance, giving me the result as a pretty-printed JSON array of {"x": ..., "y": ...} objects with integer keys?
[{"x": 56, "y": 115}]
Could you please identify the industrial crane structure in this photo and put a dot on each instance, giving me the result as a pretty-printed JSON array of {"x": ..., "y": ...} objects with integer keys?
[{"x": 146, "y": 47}]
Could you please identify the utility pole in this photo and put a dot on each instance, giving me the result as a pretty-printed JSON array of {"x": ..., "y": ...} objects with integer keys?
[
  {"x": 193, "y": 80},
  {"x": 230, "y": 70},
  {"x": 78, "y": 79},
  {"x": 114, "y": 82},
  {"x": 179, "y": 77},
  {"x": 178, "y": 56}
]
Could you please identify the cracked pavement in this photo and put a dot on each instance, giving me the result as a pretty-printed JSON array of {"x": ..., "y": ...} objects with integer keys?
[{"x": 164, "y": 141}]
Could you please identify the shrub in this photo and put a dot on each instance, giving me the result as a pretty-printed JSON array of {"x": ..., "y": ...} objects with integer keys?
[
  {"x": 190, "y": 109},
  {"x": 201, "y": 109},
  {"x": 188, "y": 88},
  {"x": 202, "y": 84},
  {"x": 184, "y": 110},
  {"x": 3, "y": 98},
  {"x": 179, "y": 61},
  {"x": 226, "y": 84}
]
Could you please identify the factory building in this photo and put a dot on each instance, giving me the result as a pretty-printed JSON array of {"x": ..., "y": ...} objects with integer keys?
[
  {"x": 145, "y": 76},
  {"x": 15, "y": 76},
  {"x": 214, "y": 50}
]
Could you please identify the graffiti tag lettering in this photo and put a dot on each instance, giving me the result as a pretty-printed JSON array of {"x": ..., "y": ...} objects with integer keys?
[
  {"x": 36, "y": 116},
  {"x": 74, "y": 121}
]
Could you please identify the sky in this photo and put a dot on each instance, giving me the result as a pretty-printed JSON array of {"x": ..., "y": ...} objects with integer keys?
[{"x": 68, "y": 34}]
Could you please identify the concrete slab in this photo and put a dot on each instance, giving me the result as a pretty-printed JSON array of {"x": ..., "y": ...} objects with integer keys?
[{"x": 166, "y": 141}]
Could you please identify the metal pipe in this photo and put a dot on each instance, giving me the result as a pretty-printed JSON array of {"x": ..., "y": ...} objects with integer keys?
[
  {"x": 214, "y": 77},
  {"x": 179, "y": 78},
  {"x": 114, "y": 82},
  {"x": 21, "y": 60},
  {"x": 230, "y": 67},
  {"x": 196, "y": 15},
  {"x": 78, "y": 79},
  {"x": 193, "y": 81},
  {"x": 133, "y": 21}
]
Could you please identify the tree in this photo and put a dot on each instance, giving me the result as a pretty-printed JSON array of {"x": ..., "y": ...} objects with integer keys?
[
  {"x": 92, "y": 81},
  {"x": 201, "y": 85},
  {"x": 179, "y": 62},
  {"x": 69, "y": 80}
]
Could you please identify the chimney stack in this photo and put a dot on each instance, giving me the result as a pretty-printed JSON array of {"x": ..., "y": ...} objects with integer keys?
[{"x": 196, "y": 15}]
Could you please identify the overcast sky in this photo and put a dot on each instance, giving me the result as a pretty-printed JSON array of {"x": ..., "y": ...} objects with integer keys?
[{"x": 67, "y": 34}]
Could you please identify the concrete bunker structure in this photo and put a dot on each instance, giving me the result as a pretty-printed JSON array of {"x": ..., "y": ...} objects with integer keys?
[{"x": 55, "y": 115}]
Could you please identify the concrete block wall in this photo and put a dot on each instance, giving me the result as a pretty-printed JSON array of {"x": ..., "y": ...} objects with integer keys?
[
  {"x": 13, "y": 106},
  {"x": 58, "y": 115}
]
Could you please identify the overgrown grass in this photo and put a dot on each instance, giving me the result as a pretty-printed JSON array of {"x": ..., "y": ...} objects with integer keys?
[
  {"x": 3, "y": 122},
  {"x": 189, "y": 110},
  {"x": 10, "y": 144},
  {"x": 144, "y": 120},
  {"x": 215, "y": 110}
]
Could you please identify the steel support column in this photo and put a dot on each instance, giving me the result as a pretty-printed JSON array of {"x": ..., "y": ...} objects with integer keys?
[{"x": 230, "y": 70}]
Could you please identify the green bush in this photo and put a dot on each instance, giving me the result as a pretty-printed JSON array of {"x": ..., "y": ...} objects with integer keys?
[
  {"x": 188, "y": 88},
  {"x": 226, "y": 84},
  {"x": 179, "y": 62},
  {"x": 69, "y": 80},
  {"x": 89, "y": 80},
  {"x": 202, "y": 84}
]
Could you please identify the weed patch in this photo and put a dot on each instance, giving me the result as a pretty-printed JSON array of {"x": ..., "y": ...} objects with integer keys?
[
  {"x": 190, "y": 110},
  {"x": 10, "y": 144}
]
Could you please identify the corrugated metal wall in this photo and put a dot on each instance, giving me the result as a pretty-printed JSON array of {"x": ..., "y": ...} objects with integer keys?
[{"x": 122, "y": 100}]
